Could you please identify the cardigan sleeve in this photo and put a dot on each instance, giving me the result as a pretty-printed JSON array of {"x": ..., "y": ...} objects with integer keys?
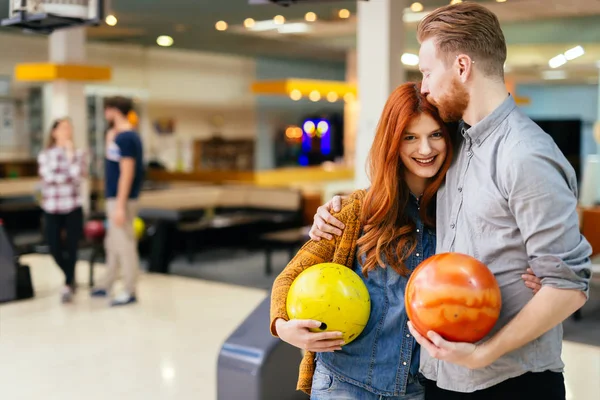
[{"x": 310, "y": 254}]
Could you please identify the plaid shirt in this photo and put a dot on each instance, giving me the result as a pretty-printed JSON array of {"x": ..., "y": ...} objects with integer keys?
[{"x": 61, "y": 178}]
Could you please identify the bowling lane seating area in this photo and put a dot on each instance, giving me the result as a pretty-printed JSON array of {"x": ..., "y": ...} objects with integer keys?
[{"x": 181, "y": 218}]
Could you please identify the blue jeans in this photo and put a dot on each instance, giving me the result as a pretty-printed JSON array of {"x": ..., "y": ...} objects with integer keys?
[{"x": 328, "y": 386}]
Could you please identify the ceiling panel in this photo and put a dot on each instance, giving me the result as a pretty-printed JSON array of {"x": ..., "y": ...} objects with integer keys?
[{"x": 192, "y": 25}]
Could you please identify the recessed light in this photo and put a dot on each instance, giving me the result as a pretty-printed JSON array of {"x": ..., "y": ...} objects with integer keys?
[
  {"x": 416, "y": 7},
  {"x": 343, "y": 13},
  {"x": 164, "y": 41},
  {"x": 249, "y": 22},
  {"x": 221, "y": 26},
  {"x": 314, "y": 95},
  {"x": 500, "y": 1},
  {"x": 295, "y": 95},
  {"x": 332, "y": 97},
  {"x": 557, "y": 61},
  {"x": 554, "y": 74},
  {"x": 410, "y": 59},
  {"x": 573, "y": 53},
  {"x": 111, "y": 20},
  {"x": 310, "y": 17},
  {"x": 456, "y": 2},
  {"x": 279, "y": 19}
]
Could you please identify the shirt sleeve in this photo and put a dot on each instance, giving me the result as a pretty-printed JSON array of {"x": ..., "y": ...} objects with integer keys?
[
  {"x": 49, "y": 170},
  {"x": 542, "y": 196},
  {"x": 127, "y": 145}
]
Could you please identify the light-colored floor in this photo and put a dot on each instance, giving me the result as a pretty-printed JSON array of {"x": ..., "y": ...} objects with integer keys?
[{"x": 165, "y": 347}]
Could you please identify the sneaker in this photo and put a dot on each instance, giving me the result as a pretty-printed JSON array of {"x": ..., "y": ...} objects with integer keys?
[
  {"x": 123, "y": 299},
  {"x": 66, "y": 295},
  {"x": 99, "y": 293}
]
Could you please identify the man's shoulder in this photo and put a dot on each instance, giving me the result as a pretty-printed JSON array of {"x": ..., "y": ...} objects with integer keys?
[
  {"x": 522, "y": 129},
  {"x": 523, "y": 137},
  {"x": 128, "y": 136}
]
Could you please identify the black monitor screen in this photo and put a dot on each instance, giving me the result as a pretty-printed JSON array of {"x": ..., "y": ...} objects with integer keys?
[{"x": 567, "y": 135}]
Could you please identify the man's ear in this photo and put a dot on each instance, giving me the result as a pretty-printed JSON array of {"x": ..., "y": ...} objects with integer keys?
[{"x": 464, "y": 66}]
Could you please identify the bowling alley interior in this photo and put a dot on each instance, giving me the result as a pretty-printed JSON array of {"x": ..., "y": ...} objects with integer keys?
[{"x": 247, "y": 115}]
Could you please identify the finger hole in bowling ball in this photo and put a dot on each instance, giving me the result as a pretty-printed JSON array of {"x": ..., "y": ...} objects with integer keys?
[{"x": 323, "y": 326}]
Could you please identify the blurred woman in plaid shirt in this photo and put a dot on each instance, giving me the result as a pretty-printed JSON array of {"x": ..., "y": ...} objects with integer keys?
[{"x": 62, "y": 169}]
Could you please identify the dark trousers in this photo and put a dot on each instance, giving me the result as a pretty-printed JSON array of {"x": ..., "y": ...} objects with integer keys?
[
  {"x": 65, "y": 251},
  {"x": 530, "y": 386}
]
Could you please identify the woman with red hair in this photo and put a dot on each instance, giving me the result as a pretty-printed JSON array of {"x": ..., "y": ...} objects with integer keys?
[{"x": 389, "y": 230}]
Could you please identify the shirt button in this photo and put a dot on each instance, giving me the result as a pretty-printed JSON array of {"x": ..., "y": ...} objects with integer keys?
[
  {"x": 418, "y": 231},
  {"x": 452, "y": 226},
  {"x": 460, "y": 189},
  {"x": 404, "y": 363},
  {"x": 477, "y": 141},
  {"x": 408, "y": 335},
  {"x": 417, "y": 254},
  {"x": 470, "y": 154}
]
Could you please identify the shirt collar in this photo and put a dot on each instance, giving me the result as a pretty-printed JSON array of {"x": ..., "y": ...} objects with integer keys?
[{"x": 484, "y": 128}]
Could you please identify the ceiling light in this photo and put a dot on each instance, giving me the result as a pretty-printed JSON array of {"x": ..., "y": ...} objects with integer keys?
[
  {"x": 557, "y": 61},
  {"x": 410, "y": 59},
  {"x": 295, "y": 95},
  {"x": 279, "y": 19},
  {"x": 344, "y": 13},
  {"x": 249, "y": 22},
  {"x": 310, "y": 17},
  {"x": 221, "y": 26},
  {"x": 332, "y": 97},
  {"x": 111, "y": 20},
  {"x": 456, "y": 2},
  {"x": 554, "y": 75},
  {"x": 573, "y": 53},
  {"x": 164, "y": 41},
  {"x": 296, "y": 27},
  {"x": 314, "y": 95},
  {"x": 500, "y": 1},
  {"x": 416, "y": 7}
]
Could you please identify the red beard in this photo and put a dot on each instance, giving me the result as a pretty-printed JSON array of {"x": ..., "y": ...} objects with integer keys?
[{"x": 452, "y": 105}]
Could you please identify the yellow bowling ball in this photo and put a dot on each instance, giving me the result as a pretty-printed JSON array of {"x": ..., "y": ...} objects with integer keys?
[
  {"x": 332, "y": 294},
  {"x": 139, "y": 227}
]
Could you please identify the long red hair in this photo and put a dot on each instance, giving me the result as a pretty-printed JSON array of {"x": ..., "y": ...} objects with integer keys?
[{"x": 388, "y": 232}]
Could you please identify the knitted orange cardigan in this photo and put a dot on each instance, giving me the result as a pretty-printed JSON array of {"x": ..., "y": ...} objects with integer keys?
[{"x": 340, "y": 250}]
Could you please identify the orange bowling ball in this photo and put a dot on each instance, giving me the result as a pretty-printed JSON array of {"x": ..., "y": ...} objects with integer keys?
[{"x": 455, "y": 295}]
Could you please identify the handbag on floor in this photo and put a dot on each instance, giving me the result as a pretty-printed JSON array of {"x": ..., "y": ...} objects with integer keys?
[
  {"x": 15, "y": 279},
  {"x": 24, "y": 282}
]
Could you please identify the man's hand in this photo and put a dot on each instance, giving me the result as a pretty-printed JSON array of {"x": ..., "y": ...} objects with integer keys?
[
  {"x": 324, "y": 223},
  {"x": 464, "y": 354},
  {"x": 118, "y": 216},
  {"x": 296, "y": 332}
]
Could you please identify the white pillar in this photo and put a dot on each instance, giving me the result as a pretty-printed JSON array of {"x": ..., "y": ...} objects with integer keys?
[
  {"x": 380, "y": 45},
  {"x": 66, "y": 98},
  {"x": 597, "y": 124},
  {"x": 350, "y": 111}
]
